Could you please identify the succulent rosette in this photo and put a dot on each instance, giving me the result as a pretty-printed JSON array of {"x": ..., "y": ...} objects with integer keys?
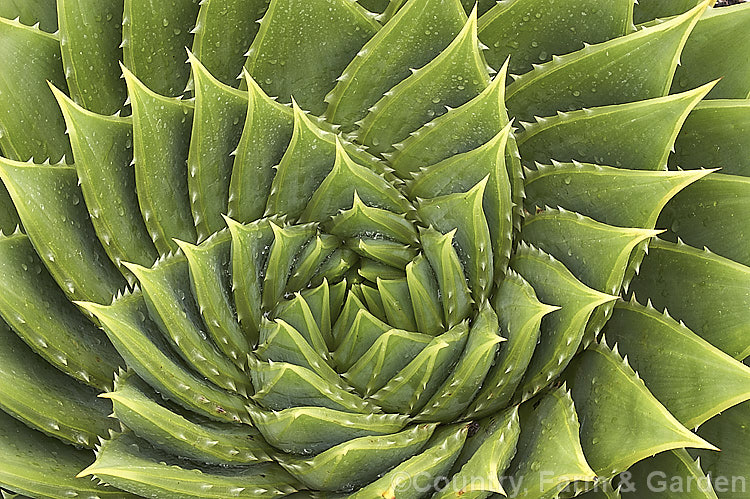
[{"x": 376, "y": 249}]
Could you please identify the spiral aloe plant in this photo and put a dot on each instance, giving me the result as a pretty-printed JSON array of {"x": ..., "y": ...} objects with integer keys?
[{"x": 376, "y": 249}]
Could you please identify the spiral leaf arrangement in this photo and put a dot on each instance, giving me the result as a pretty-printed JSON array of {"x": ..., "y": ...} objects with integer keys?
[{"x": 417, "y": 248}]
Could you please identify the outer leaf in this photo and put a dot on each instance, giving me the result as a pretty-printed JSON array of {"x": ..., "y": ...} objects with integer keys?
[
  {"x": 102, "y": 148},
  {"x": 710, "y": 213},
  {"x": 265, "y": 136},
  {"x": 36, "y": 308},
  {"x": 161, "y": 134},
  {"x": 154, "y": 37},
  {"x": 645, "y": 132},
  {"x": 714, "y": 297},
  {"x": 90, "y": 36},
  {"x": 386, "y": 59},
  {"x": 223, "y": 33},
  {"x": 40, "y": 466},
  {"x": 132, "y": 464},
  {"x": 148, "y": 355},
  {"x": 217, "y": 126},
  {"x": 410, "y": 478},
  {"x": 621, "y": 422},
  {"x": 667, "y": 475},
  {"x": 175, "y": 431},
  {"x": 711, "y": 53},
  {"x": 606, "y": 194},
  {"x": 305, "y": 430},
  {"x": 692, "y": 378},
  {"x": 714, "y": 136},
  {"x": 340, "y": 467},
  {"x": 449, "y": 80},
  {"x": 46, "y": 399},
  {"x": 561, "y": 331},
  {"x": 520, "y": 314},
  {"x": 26, "y": 97},
  {"x": 549, "y": 454},
  {"x": 531, "y": 32},
  {"x": 49, "y": 203},
  {"x": 647, "y": 10},
  {"x": 294, "y": 45},
  {"x": 31, "y": 12},
  {"x": 596, "y": 75},
  {"x": 729, "y": 467}
]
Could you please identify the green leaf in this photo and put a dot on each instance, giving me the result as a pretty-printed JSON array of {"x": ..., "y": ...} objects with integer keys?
[
  {"x": 361, "y": 219},
  {"x": 90, "y": 36},
  {"x": 362, "y": 331},
  {"x": 44, "y": 398},
  {"x": 415, "y": 475},
  {"x": 386, "y": 58},
  {"x": 154, "y": 38},
  {"x": 50, "y": 205},
  {"x": 30, "y": 12},
  {"x": 520, "y": 314},
  {"x": 250, "y": 245},
  {"x": 217, "y": 125},
  {"x": 466, "y": 172},
  {"x": 647, "y": 10},
  {"x": 222, "y": 33},
  {"x": 463, "y": 383},
  {"x": 175, "y": 431},
  {"x": 146, "y": 352},
  {"x": 454, "y": 291},
  {"x": 595, "y": 253},
  {"x": 645, "y": 131},
  {"x": 710, "y": 213},
  {"x": 411, "y": 388},
  {"x": 714, "y": 136},
  {"x": 423, "y": 290},
  {"x": 161, "y": 134},
  {"x": 458, "y": 131},
  {"x": 342, "y": 467},
  {"x": 485, "y": 457},
  {"x": 309, "y": 261},
  {"x": 297, "y": 314},
  {"x": 389, "y": 354},
  {"x": 621, "y": 421},
  {"x": 35, "y": 307},
  {"x": 671, "y": 474},
  {"x": 319, "y": 300},
  {"x": 582, "y": 188},
  {"x": 265, "y": 136},
  {"x": 731, "y": 433},
  {"x": 210, "y": 267},
  {"x": 549, "y": 455},
  {"x": 102, "y": 148},
  {"x": 280, "y": 342},
  {"x": 287, "y": 244},
  {"x": 629, "y": 68},
  {"x": 132, "y": 464},
  {"x": 449, "y": 80},
  {"x": 280, "y": 385},
  {"x": 531, "y": 32},
  {"x": 714, "y": 297},
  {"x": 693, "y": 379},
  {"x": 384, "y": 251},
  {"x": 305, "y": 430},
  {"x": 463, "y": 213},
  {"x": 172, "y": 307},
  {"x": 562, "y": 330},
  {"x": 294, "y": 54},
  {"x": 40, "y": 466},
  {"x": 397, "y": 301},
  {"x": 346, "y": 179},
  {"x": 26, "y": 97},
  {"x": 711, "y": 52},
  {"x": 9, "y": 220}
]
